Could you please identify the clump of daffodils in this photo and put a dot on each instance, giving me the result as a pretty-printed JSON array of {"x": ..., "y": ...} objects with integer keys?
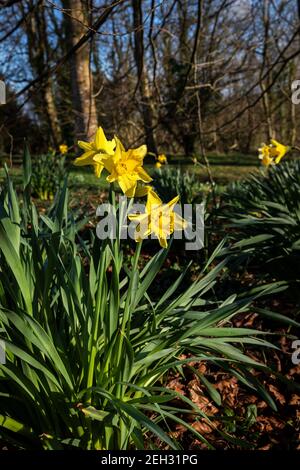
[
  {"x": 273, "y": 153},
  {"x": 125, "y": 167},
  {"x": 161, "y": 160},
  {"x": 63, "y": 149}
]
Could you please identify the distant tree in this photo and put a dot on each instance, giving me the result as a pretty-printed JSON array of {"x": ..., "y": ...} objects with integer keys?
[{"x": 77, "y": 18}]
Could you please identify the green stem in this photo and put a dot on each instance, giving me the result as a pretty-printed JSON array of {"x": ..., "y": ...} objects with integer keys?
[
  {"x": 96, "y": 321},
  {"x": 114, "y": 315},
  {"x": 125, "y": 324},
  {"x": 128, "y": 302}
]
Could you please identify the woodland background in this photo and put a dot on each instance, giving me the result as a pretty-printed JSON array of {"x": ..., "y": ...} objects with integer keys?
[{"x": 186, "y": 77}]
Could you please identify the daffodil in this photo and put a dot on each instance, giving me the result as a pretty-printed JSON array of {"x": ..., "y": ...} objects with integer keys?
[
  {"x": 162, "y": 158},
  {"x": 125, "y": 167},
  {"x": 272, "y": 154},
  {"x": 63, "y": 149},
  {"x": 100, "y": 147},
  {"x": 157, "y": 165},
  {"x": 278, "y": 150},
  {"x": 159, "y": 219}
]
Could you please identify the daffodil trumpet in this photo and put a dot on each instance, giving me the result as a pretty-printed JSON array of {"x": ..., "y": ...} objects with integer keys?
[
  {"x": 126, "y": 167},
  {"x": 273, "y": 153}
]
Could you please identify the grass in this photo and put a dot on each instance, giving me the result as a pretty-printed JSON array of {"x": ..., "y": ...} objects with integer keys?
[
  {"x": 82, "y": 178},
  {"x": 222, "y": 174},
  {"x": 228, "y": 159},
  {"x": 224, "y": 169}
]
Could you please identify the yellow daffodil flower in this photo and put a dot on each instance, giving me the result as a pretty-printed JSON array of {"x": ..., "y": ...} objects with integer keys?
[
  {"x": 162, "y": 158},
  {"x": 278, "y": 150},
  {"x": 157, "y": 165},
  {"x": 159, "y": 219},
  {"x": 125, "y": 167},
  {"x": 273, "y": 153},
  {"x": 63, "y": 149},
  {"x": 100, "y": 148}
]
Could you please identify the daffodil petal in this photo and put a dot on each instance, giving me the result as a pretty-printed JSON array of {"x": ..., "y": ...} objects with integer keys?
[
  {"x": 85, "y": 145},
  {"x": 173, "y": 202},
  {"x": 99, "y": 157},
  {"x": 277, "y": 159},
  {"x": 119, "y": 144},
  {"x": 100, "y": 139},
  {"x": 163, "y": 242},
  {"x": 136, "y": 217},
  {"x": 179, "y": 223},
  {"x": 139, "y": 153},
  {"x": 111, "y": 178},
  {"x": 141, "y": 236},
  {"x": 143, "y": 175},
  {"x": 127, "y": 184},
  {"x": 98, "y": 169},
  {"x": 153, "y": 200},
  {"x": 109, "y": 164},
  {"x": 85, "y": 159}
]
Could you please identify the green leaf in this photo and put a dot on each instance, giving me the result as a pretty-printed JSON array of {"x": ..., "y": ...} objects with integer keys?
[
  {"x": 13, "y": 425},
  {"x": 14, "y": 262}
]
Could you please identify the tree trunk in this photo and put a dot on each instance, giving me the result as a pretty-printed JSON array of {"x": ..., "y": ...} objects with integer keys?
[
  {"x": 38, "y": 51},
  {"x": 83, "y": 101},
  {"x": 146, "y": 105},
  {"x": 264, "y": 83},
  {"x": 51, "y": 113}
]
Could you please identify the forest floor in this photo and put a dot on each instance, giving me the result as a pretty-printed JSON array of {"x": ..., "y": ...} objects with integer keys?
[
  {"x": 243, "y": 416},
  {"x": 243, "y": 419}
]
